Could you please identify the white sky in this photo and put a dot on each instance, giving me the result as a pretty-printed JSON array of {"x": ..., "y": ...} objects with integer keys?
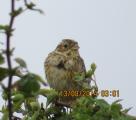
[{"x": 105, "y": 30}]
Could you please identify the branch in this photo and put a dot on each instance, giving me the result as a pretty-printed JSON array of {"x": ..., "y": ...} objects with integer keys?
[{"x": 8, "y": 37}]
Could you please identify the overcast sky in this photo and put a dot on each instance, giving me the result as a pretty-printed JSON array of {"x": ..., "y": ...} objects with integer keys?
[{"x": 104, "y": 29}]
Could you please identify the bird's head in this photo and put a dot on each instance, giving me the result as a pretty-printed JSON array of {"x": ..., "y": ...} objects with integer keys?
[{"x": 67, "y": 45}]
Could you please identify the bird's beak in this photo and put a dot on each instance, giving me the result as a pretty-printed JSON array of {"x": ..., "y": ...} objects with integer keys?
[{"x": 76, "y": 47}]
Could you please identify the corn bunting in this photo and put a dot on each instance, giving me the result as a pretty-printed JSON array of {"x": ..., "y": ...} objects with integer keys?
[{"x": 63, "y": 64}]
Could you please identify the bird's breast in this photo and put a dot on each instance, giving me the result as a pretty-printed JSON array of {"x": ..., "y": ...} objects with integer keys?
[{"x": 58, "y": 78}]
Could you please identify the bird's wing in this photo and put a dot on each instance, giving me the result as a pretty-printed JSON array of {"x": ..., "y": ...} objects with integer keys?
[{"x": 54, "y": 59}]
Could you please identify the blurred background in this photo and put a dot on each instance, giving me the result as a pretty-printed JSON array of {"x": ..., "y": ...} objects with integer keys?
[{"x": 104, "y": 29}]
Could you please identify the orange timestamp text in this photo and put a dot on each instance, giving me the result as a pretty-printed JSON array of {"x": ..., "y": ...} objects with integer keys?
[{"x": 78, "y": 93}]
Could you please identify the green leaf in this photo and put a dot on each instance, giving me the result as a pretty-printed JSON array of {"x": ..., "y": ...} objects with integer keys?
[
  {"x": 45, "y": 92},
  {"x": 29, "y": 85},
  {"x": 84, "y": 103},
  {"x": 116, "y": 107},
  {"x": 86, "y": 86},
  {"x": 21, "y": 62},
  {"x": 5, "y": 116},
  {"x": 16, "y": 12},
  {"x": 93, "y": 66},
  {"x": 30, "y": 5},
  {"x": 35, "y": 115},
  {"x": 127, "y": 110},
  {"x": 18, "y": 97},
  {"x": 117, "y": 101},
  {"x": 51, "y": 97},
  {"x": 3, "y": 27},
  {"x": 79, "y": 76},
  {"x": 83, "y": 108},
  {"x": 3, "y": 73},
  {"x": 116, "y": 110},
  {"x": 40, "y": 79},
  {"x": 102, "y": 103},
  {"x": 11, "y": 51},
  {"x": 4, "y": 95},
  {"x": 2, "y": 60},
  {"x": 89, "y": 73},
  {"x": 35, "y": 106},
  {"x": 17, "y": 105},
  {"x": 6, "y": 29}
]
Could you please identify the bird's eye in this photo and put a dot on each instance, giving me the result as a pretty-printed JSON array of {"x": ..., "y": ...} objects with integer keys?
[{"x": 65, "y": 45}]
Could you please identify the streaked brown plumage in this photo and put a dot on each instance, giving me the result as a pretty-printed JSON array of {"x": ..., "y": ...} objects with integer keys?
[{"x": 62, "y": 64}]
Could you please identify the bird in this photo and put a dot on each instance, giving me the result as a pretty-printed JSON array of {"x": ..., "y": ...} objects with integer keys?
[{"x": 62, "y": 64}]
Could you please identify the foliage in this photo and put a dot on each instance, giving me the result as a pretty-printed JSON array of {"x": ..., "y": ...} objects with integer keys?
[{"x": 26, "y": 90}]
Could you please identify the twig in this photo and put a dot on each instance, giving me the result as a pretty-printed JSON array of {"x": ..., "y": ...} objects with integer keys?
[
  {"x": 16, "y": 118},
  {"x": 94, "y": 80},
  {"x": 25, "y": 1},
  {"x": 8, "y": 36},
  {"x": 126, "y": 114},
  {"x": 60, "y": 103}
]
